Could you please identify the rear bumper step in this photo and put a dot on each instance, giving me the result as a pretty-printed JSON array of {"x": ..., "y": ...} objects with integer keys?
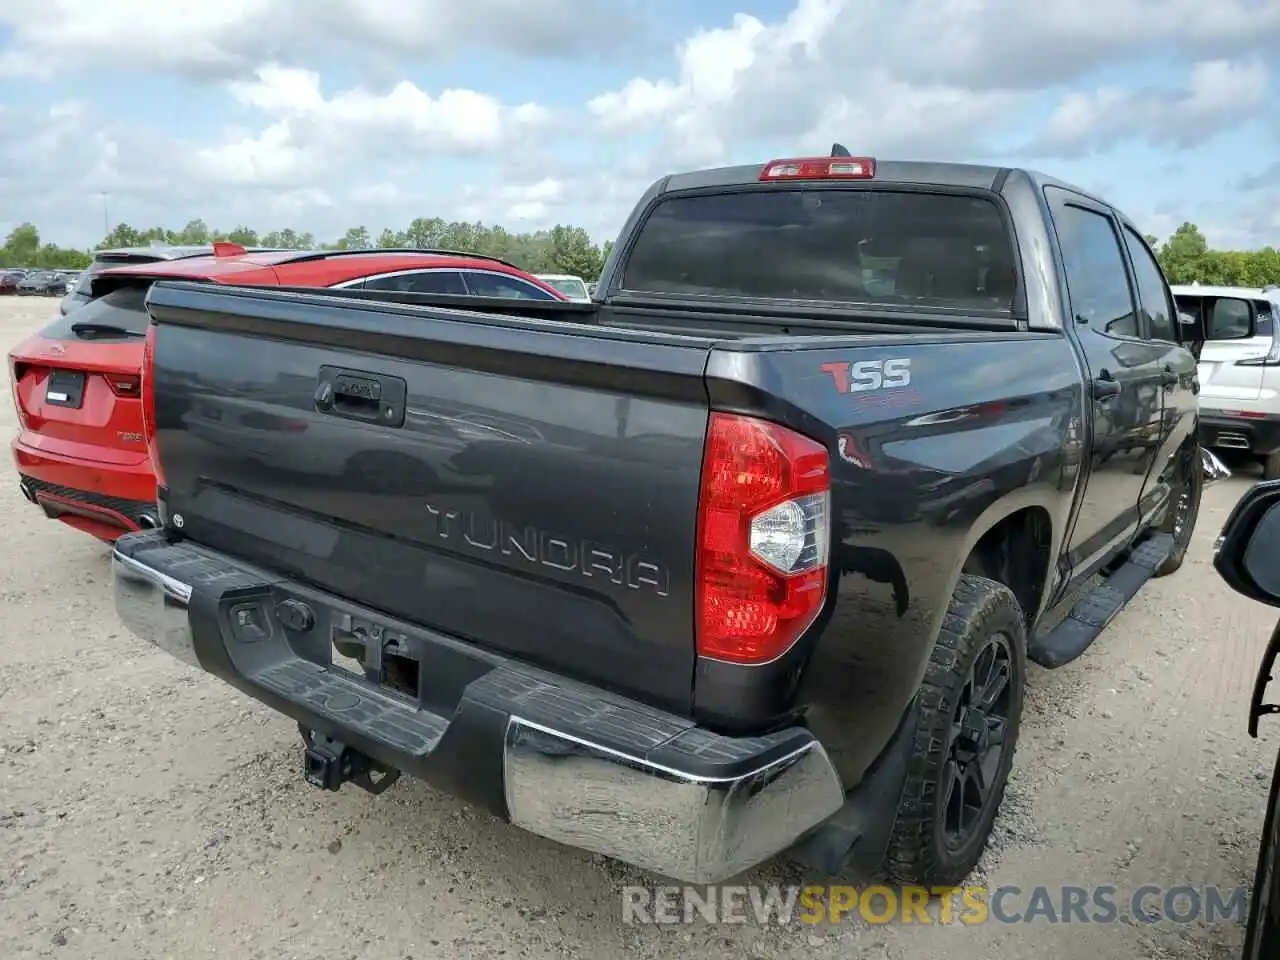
[{"x": 563, "y": 760}]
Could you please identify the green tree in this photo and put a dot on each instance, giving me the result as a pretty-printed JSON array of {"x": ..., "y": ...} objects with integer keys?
[
  {"x": 244, "y": 236},
  {"x": 123, "y": 235},
  {"x": 391, "y": 238},
  {"x": 196, "y": 232},
  {"x": 356, "y": 238},
  {"x": 22, "y": 245},
  {"x": 1183, "y": 254}
]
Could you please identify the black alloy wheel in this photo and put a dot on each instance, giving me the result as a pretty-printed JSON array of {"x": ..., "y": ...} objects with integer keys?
[{"x": 977, "y": 742}]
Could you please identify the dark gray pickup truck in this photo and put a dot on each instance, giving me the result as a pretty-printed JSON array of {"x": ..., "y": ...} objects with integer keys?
[{"x": 748, "y": 556}]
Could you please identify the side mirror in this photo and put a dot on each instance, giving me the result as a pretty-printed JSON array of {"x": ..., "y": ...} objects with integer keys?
[
  {"x": 1247, "y": 552},
  {"x": 1247, "y": 556},
  {"x": 1228, "y": 318}
]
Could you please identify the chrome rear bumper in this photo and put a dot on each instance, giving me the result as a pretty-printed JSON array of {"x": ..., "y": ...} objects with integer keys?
[{"x": 710, "y": 808}]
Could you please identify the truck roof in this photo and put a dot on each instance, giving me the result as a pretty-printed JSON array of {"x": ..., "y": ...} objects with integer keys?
[
  {"x": 938, "y": 173},
  {"x": 1211, "y": 290}
]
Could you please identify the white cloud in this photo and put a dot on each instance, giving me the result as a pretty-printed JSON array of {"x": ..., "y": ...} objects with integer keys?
[
  {"x": 228, "y": 37},
  {"x": 948, "y": 77},
  {"x": 313, "y": 135},
  {"x": 335, "y": 122},
  {"x": 1218, "y": 95}
]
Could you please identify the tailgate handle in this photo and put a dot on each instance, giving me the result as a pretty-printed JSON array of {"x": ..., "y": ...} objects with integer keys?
[{"x": 361, "y": 395}]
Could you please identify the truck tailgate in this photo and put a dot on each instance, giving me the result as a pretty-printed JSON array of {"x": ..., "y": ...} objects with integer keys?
[{"x": 527, "y": 489}]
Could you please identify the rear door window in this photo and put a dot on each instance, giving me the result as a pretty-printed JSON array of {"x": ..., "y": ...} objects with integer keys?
[
  {"x": 423, "y": 281},
  {"x": 874, "y": 246},
  {"x": 1151, "y": 289},
  {"x": 123, "y": 308},
  {"x": 483, "y": 284}
]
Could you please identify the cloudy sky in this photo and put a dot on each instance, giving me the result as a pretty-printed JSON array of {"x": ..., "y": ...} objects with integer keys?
[{"x": 324, "y": 114}]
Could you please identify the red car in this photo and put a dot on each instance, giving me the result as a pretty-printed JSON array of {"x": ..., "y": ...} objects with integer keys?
[{"x": 80, "y": 450}]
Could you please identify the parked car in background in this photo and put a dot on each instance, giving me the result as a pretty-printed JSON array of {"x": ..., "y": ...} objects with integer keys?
[
  {"x": 57, "y": 285},
  {"x": 78, "y": 292},
  {"x": 591, "y": 289},
  {"x": 1239, "y": 368},
  {"x": 37, "y": 283},
  {"x": 573, "y": 288},
  {"x": 9, "y": 280},
  {"x": 80, "y": 451}
]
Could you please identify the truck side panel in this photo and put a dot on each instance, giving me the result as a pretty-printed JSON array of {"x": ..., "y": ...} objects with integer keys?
[{"x": 933, "y": 443}]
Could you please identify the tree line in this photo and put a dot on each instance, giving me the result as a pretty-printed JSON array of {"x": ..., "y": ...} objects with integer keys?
[
  {"x": 562, "y": 249},
  {"x": 1185, "y": 256}
]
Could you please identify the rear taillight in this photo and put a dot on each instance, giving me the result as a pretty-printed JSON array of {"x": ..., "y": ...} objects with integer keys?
[
  {"x": 16, "y": 372},
  {"x": 124, "y": 384},
  {"x": 820, "y": 168},
  {"x": 1270, "y": 359},
  {"x": 147, "y": 387},
  {"x": 763, "y": 539}
]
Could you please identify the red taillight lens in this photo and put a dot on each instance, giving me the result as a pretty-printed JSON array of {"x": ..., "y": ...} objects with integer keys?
[
  {"x": 820, "y": 168},
  {"x": 147, "y": 387},
  {"x": 16, "y": 372},
  {"x": 124, "y": 384},
  {"x": 763, "y": 538}
]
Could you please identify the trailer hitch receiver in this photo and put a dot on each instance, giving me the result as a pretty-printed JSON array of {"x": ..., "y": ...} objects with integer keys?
[{"x": 328, "y": 763}]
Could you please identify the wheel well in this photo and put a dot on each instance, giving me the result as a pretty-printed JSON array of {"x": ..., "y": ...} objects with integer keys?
[{"x": 1015, "y": 552}]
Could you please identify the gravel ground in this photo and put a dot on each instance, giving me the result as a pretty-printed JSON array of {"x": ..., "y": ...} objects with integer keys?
[{"x": 147, "y": 811}]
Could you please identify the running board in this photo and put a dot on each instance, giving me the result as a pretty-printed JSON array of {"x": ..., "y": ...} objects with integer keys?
[{"x": 1065, "y": 642}]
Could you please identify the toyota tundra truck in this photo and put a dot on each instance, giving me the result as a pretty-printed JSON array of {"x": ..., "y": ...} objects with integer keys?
[{"x": 746, "y": 557}]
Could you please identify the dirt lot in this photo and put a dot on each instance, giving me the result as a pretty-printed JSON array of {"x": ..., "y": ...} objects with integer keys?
[{"x": 147, "y": 811}]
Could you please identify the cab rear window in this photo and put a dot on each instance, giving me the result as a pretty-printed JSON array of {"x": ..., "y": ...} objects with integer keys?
[{"x": 874, "y": 246}]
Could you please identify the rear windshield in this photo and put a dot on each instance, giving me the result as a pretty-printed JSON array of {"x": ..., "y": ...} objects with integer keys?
[
  {"x": 99, "y": 264},
  {"x": 124, "y": 308},
  {"x": 867, "y": 246}
]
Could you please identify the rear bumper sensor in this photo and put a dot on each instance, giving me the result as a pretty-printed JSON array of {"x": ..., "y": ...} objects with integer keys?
[{"x": 560, "y": 759}]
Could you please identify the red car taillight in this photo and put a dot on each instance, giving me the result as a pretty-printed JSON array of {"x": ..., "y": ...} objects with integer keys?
[
  {"x": 127, "y": 385},
  {"x": 763, "y": 539},
  {"x": 16, "y": 372},
  {"x": 148, "y": 389}
]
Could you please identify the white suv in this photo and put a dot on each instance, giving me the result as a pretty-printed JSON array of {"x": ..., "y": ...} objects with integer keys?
[{"x": 1239, "y": 375}]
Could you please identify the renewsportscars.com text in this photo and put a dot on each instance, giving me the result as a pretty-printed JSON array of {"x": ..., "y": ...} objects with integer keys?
[{"x": 967, "y": 906}]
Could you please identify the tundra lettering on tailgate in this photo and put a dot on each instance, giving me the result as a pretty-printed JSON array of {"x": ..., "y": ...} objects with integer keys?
[
  {"x": 481, "y": 533},
  {"x": 858, "y": 376}
]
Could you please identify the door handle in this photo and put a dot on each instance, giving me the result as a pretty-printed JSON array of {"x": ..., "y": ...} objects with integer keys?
[
  {"x": 1169, "y": 378},
  {"x": 1105, "y": 386}
]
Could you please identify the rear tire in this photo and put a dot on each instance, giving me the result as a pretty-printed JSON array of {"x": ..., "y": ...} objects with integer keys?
[
  {"x": 1184, "y": 508},
  {"x": 955, "y": 782},
  {"x": 1271, "y": 466}
]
